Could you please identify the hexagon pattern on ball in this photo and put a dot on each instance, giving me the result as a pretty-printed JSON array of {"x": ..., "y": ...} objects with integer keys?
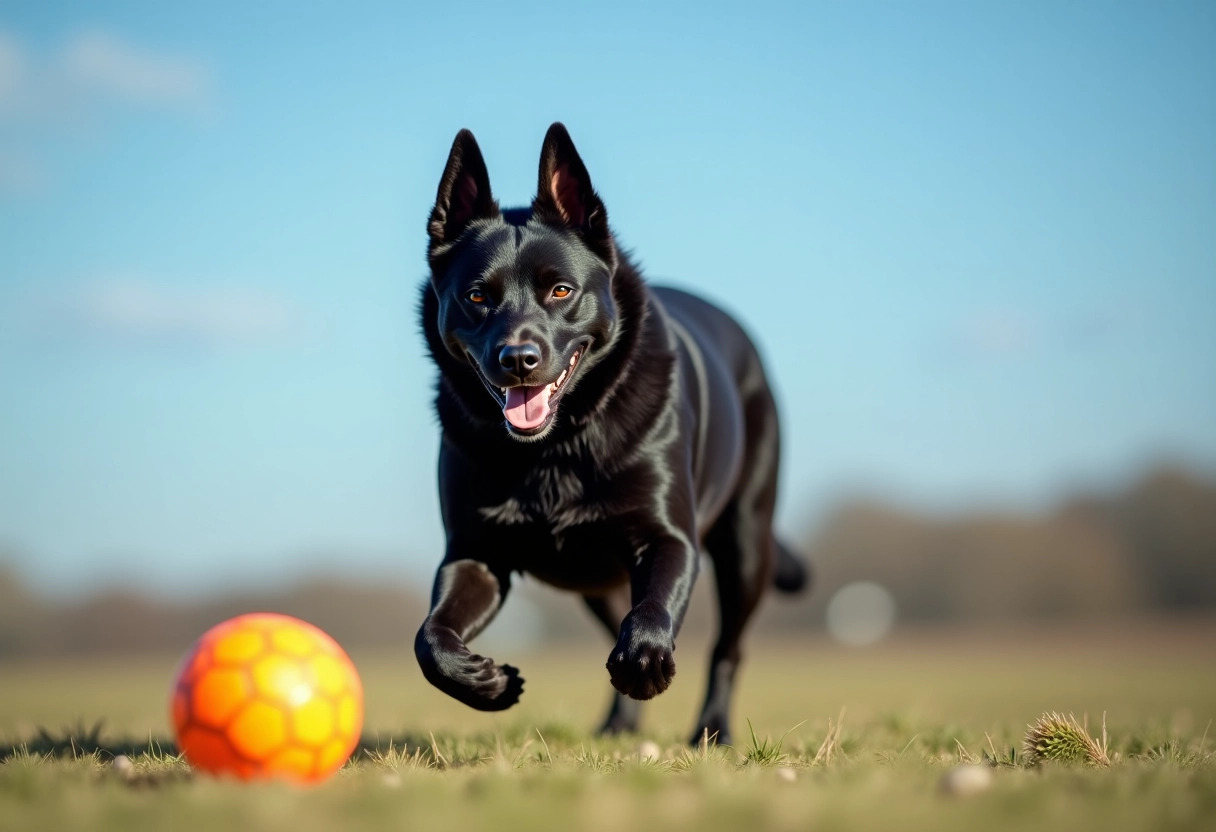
[{"x": 265, "y": 696}]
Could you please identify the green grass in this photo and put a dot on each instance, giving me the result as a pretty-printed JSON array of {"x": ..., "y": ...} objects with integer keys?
[{"x": 827, "y": 738}]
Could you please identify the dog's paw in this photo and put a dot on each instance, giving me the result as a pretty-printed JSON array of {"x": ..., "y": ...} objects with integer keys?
[
  {"x": 480, "y": 683},
  {"x": 474, "y": 680},
  {"x": 642, "y": 665}
]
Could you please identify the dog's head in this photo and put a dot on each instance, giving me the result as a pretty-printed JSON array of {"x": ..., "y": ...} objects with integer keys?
[{"x": 524, "y": 295}]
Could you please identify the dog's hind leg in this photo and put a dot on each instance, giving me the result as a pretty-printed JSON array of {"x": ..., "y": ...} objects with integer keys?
[
  {"x": 741, "y": 546},
  {"x": 610, "y": 610},
  {"x": 792, "y": 574}
]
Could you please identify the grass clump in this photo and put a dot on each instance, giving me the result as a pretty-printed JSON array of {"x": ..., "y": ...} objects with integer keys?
[
  {"x": 765, "y": 752},
  {"x": 1058, "y": 738}
]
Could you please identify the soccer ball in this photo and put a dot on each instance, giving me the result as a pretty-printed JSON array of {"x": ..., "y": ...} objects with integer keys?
[{"x": 264, "y": 696}]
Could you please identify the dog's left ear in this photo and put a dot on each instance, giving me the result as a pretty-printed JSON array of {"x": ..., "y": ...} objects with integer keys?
[{"x": 564, "y": 195}]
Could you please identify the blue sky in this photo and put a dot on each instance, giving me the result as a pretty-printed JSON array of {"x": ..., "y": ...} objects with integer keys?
[{"x": 975, "y": 242}]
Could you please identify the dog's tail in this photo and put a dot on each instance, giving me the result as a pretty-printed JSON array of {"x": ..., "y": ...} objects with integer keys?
[{"x": 792, "y": 574}]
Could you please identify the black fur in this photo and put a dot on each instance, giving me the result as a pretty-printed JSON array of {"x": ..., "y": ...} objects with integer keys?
[{"x": 660, "y": 443}]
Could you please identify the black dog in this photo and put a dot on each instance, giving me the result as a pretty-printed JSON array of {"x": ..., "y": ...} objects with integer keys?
[{"x": 597, "y": 434}]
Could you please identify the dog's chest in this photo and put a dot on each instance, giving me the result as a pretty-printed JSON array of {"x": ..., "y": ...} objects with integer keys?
[
  {"x": 569, "y": 533},
  {"x": 553, "y": 496}
]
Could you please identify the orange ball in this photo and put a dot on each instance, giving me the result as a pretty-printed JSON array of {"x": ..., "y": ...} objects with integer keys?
[{"x": 265, "y": 696}]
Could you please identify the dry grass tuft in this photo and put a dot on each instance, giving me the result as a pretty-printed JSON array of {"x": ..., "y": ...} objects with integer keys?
[
  {"x": 830, "y": 746},
  {"x": 1063, "y": 739}
]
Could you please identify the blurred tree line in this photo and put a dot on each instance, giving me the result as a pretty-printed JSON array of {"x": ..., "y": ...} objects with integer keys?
[{"x": 1150, "y": 549}]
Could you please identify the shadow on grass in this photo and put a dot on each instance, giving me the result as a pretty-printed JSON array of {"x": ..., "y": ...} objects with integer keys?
[{"x": 85, "y": 741}]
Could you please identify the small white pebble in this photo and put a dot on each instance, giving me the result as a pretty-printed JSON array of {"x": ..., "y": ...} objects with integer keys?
[
  {"x": 965, "y": 780},
  {"x": 786, "y": 774},
  {"x": 649, "y": 750},
  {"x": 123, "y": 766}
]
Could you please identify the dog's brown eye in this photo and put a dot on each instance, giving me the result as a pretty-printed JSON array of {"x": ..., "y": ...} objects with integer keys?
[
  {"x": 562, "y": 291},
  {"x": 476, "y": 296}
]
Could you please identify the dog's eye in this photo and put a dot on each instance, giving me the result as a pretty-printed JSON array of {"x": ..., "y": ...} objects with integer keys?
[
  {"x": 476, "y": 296},
  {"x": 561, "y": 291}
]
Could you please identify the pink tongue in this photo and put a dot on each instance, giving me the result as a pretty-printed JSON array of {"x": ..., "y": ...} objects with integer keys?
[{"x": 527, "y": 407}]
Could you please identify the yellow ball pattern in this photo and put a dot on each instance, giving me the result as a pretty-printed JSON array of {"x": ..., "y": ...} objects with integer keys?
[{"x": 266, "y": 695}]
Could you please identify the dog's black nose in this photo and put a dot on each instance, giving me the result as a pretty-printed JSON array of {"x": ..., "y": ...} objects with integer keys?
[{"x": 519, "y": 359}]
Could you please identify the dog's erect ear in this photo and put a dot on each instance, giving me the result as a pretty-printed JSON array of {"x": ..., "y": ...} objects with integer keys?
[
  {"x": 564, "y": 195},
  {"x": 464, "y": 193}
]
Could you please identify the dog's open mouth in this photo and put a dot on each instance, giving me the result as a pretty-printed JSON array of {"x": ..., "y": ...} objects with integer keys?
[{"x": 528, "y": 408}]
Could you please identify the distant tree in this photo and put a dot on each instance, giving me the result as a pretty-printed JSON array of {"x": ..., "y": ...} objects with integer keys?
[{"x": 1169, "y": 524}]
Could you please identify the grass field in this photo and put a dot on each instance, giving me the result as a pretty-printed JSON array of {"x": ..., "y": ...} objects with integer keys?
[{"x": 865, "y": 737}]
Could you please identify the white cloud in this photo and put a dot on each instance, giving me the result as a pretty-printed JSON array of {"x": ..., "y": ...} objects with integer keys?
[
  {"x": 12, "y": 68},
  {"x": 76, "y": 88},
  {"x": 103, "y": 64},
  {"x": 998, "y": 333},
  {"x": 143, "y": 312},
  {"x": 1011, "y": 333},
  {"x": 222, "y": 315},
  {"x": 91, "y": 72}
]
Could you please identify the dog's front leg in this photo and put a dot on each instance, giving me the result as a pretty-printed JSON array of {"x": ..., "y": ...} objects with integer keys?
[
  {"x": 642, "y": 664},
  {"x": 466, "y": 596}
]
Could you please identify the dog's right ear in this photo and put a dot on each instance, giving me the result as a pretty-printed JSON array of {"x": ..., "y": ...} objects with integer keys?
[
  {"x": 464, "y": 194},
  {"x": 564, "y": 195}
]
